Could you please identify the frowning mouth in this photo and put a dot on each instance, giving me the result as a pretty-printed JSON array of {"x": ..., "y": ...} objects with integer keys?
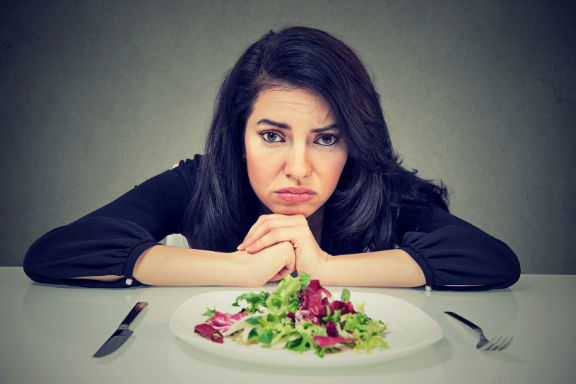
[{"x": 296, "y": 194}]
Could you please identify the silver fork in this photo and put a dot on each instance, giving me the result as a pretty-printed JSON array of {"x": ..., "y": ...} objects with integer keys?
[{"x": 498, "y": 343}]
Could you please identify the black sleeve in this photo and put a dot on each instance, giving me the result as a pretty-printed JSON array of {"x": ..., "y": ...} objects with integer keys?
[
  {"x": 451, "y": 251},
  {"x": 110, "y": 240}
]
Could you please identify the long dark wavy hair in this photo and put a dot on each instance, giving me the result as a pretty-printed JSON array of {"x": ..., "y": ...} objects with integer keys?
[{"x": 363, "y": 213}]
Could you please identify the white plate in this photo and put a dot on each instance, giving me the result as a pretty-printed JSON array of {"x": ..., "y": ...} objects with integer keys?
[{"x": 410, "y": 330}]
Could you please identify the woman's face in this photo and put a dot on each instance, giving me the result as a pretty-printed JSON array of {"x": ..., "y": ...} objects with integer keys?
[{"x": 294, "y": 151}]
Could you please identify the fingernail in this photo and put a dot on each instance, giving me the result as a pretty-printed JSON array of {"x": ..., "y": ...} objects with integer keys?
[{"x": 251, "y": 246}]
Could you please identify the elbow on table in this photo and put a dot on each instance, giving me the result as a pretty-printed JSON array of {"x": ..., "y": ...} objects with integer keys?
[
  {"x": 510, "y": 268},
  {"x": 498, "y": 271},
  {"x": 38, "y": 260},
  {"x": 33, "y": 264},
  {"x": 499, "y": 266},
  {"x": 515, "y": 275}
]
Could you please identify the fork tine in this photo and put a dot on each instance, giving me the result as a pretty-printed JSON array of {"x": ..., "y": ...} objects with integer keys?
[
  {"x": 490, "y": 345},
  {"x": 497, "y": 344},
  {"x": 506, "y": 345}
]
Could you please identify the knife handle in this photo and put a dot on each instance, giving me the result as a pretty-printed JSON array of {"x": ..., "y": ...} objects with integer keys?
[
  {"x": 467, "y": 322},
  {"x": 133, "y": 314}
]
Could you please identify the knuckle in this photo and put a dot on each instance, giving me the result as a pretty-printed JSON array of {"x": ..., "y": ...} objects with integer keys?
[
  {"x": 275, "y": 234},
  {"x": 262, "y": 242}
]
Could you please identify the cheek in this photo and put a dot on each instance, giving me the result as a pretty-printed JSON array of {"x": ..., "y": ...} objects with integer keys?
[
  {"x": 332, "y": 170},
  {"x": 259, "y": 169},
  {"x": 334, "y": 177},
  {"x": 255, "y": 171}
]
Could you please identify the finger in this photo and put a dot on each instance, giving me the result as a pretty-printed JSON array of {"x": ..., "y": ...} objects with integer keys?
[
  {"x": 282, "y": 274},
  {"x": 287, "y": 270},
  {"x": 274, "y": 236},
  {"x": 256, "y": 225},
  {"x": 264, "y": 218},
  {"x": 266, "y": 226},
  {"x": 277, "y": 222},
  {"x": 263, "y": 221},
  {"x": 289, "y": 260}
]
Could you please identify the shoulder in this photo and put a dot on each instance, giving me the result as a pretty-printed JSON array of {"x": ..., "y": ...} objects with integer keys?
[
  {"x": 189, "y": 165},
  {"x": 176, "y": 184},
  {"x": 189, "y": 170}
]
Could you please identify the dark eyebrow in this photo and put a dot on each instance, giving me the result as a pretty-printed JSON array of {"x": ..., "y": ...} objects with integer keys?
[
  {"x": 274, "y": 123},
  {"x": 286, "y": 126},
  {"x": 327, "y": 128}
]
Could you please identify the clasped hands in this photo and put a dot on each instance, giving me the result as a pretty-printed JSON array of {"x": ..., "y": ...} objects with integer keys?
[{"x": 276, "y": 245}]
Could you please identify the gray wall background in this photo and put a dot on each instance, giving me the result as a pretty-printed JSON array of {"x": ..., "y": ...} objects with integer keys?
[{"x": 98, "y": 96}]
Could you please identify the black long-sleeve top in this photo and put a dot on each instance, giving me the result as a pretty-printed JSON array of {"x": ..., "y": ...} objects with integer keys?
[{"x": 109, "y": 240}]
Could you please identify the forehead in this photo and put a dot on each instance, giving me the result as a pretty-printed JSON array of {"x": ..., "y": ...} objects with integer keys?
[{"x": 291, "y": 102}]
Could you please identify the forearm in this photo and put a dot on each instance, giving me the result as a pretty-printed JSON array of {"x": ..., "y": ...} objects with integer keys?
[
  {"x": 173, "y": 266},
  {"x": 392, "y": 268}
]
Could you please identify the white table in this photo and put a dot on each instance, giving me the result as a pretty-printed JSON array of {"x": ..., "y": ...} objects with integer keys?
[{"x": 49, "y": 334}]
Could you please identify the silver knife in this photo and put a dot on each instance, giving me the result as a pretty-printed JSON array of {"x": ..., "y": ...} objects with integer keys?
[{"x": 122, "y": 333}]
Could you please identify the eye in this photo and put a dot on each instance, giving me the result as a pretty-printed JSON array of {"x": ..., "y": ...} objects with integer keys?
[
  {"x": 327, "y": 140},
  {"x": 271, "y": 137}
]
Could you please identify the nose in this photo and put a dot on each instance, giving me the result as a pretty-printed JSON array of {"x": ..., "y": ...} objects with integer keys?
[{"x": 298, "y": 164}]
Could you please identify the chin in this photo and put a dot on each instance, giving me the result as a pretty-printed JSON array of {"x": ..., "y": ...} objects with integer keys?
[{"x": 293, "y": 211}]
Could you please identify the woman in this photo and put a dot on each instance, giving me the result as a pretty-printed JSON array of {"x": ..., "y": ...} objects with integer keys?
[{"x": 298, "y": 168}]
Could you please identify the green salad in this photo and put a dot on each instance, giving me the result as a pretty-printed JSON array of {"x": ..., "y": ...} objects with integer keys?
[{"x": 298, "y": 317}]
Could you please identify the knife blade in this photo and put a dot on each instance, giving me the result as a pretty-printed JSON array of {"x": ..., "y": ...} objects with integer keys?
[{"x": 122, "y": 333}]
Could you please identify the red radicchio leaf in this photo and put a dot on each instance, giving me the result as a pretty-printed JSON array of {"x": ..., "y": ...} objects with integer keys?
[
  {"x": 344, "y": 307},
  {"x": 291, "y": 316},
  {"x": 327, "y": 341},
  {"x": 331, "y": 329},
  {"x": 223, "y": 321},
  {"x": 208, "y": 332},
  {"x": 304, "y": 315},
  {"x": 350, "y": 307},
  {"x": 319, "y": 311},
  {"x": 313, "y": 294}
]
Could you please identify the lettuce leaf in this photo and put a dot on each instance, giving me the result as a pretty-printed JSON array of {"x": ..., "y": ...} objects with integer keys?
[
  {"x": 284, "y": 299},
  {"x": 254, "y": 301},
  {"x": 345, "y": 297},
  {"x": 210, "y": 312}
]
